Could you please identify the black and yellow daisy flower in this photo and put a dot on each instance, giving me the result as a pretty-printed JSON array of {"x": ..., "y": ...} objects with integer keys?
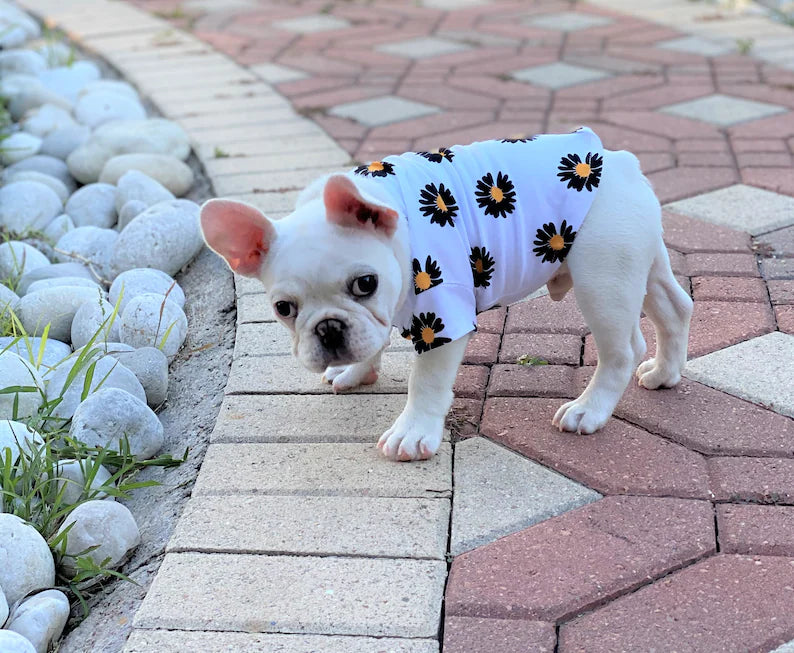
[
  {"x": 427, "y": 278},
  {"x": 526, "y": 139},
  {"x": 481, "y": 266},
  {"x": 553, "y": 245},
  {"x": 439, "y": 155},
  {"x": 498, "y": 199},
  {"x": 581, "y": 174},
  {"x": 425, "y": 330},
  {"x": 376, "y": 169},
  {"x": 405, "y": 333},
  {"x": 438, "y": 204}
]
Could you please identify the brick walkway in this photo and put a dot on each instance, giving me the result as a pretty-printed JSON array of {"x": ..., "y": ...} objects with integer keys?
[{"x": 671, "y": 529}]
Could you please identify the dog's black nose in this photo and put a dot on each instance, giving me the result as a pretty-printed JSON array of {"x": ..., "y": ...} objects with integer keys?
[{"x": 331, "y": 333}]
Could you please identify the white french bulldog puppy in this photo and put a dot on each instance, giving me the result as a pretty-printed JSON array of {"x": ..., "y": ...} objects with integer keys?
[{"x": 423, "y": 241}]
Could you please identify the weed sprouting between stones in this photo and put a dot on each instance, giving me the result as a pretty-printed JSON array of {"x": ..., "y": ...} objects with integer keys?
[{"x": 32, "y": 484}]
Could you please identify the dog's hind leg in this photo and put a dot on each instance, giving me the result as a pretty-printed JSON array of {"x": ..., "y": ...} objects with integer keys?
[
  {"x": 609, "y": 264},
  {"x": 612, "y": 311},
  {"x": 670, "y": 309}
]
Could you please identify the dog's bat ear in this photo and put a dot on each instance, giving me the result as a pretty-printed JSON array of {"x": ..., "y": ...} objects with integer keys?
[
  {"x": 345, "y": 206},
  {"x": 239, "y": 232}
]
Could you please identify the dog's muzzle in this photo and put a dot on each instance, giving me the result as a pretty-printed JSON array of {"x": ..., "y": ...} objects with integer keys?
[{"x": 331, "y": 334}]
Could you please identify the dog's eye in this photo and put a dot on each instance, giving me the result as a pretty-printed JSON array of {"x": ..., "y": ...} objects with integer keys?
[
  {"x": 364, "y": 286},
  {"x": 286, "y": 309}
]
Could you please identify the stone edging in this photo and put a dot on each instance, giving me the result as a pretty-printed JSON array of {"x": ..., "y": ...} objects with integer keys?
[{"x": 224, "y": 108}]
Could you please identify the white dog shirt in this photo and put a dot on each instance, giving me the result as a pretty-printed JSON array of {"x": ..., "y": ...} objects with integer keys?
[{"x": 489, "y": 223}]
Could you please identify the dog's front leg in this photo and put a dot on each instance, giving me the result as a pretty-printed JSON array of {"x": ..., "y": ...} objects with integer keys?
[
  {"x": 417, "y": 432},
  {"x": 347, "y": 377}
]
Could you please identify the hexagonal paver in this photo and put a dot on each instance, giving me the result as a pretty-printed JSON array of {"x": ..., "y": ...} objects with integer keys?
[
  {"x": 698, "y": 45},
  {"x": 618, "y": 459},
  {"x": 423, "y": 47},
  {"x": 312, "y": 23},
  {"x": 568, "y": 21},
  {"x": 723, "y": 110},
  {"x": 742, "y": 207},
  {"x": 567, "y": 564},
  {"x": 382, "y": 110},
  {"x": 758, "y": 370},
  {"x": 746, "y": 601},
  {"x": 707, "y": 420},
  {"x": 558, "y": 75},
  {"x": 498, "y": 492}
]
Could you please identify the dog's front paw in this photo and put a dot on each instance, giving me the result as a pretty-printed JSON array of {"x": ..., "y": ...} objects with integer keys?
[
  {"x": 653, "y": 375},
  {"x": 347, "y": 377},
  {"x": 412, "y": 437},
  {"x": 580, "y": 416}
]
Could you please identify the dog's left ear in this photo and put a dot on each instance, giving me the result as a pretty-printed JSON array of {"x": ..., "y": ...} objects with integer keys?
[
  {"x": 239, "y": 232},
  {"x": 345, "y": 206}
]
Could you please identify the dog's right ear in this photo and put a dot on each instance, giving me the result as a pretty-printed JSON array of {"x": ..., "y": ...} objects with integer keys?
[
  {"x": 345, "y": 206},
  {"x": 239, "y": 232}
]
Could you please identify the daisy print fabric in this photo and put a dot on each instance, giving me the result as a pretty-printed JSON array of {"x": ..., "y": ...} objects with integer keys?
[{"x": 489, "y": 223}]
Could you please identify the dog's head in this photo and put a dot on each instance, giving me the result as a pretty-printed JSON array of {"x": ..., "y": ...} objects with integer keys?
[{"x": 330, "y": 268}]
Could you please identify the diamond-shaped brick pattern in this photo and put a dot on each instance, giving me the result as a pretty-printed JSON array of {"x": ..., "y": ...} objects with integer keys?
[
  {"x": 382, "y": 110},
  {"x": 498, "y": 492},
  {"x": 423, "y": 48},
  {"x": 568, "y": 21},
  {"x": 698, "y": 45},
  {"x": 758, "y": 370},
  {"x": 311, "y": 24},
  {"x": 745, "y": 601},
  {"x": 741, "y": 207},
  {"x": 579, "y": 559},
  {"x": 558, "y": 75},
  {"x": 723, "y": 110}
]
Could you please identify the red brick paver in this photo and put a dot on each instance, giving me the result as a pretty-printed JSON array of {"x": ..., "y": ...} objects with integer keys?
[
  {"x": 474, "y": 635},
  {"x": 580, "y": 559},
  {"x": 726, "y": 603},
  {"x": 619, "y": 459},
  {"x": 757, "y": 530}
]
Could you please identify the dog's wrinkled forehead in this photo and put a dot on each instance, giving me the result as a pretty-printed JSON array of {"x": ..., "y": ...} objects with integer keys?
[{"x": 313, "y": 252}]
